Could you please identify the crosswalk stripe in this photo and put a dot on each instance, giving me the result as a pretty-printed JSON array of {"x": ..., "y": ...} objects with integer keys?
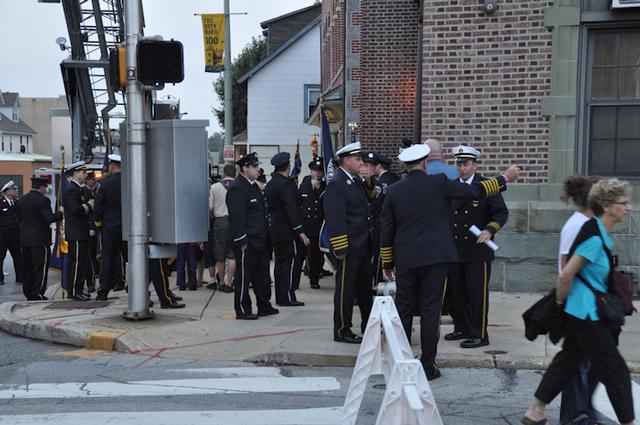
[
  {"x": 313, "y": 416},
  {"x": 231, "y": 371},
  {"x": 172, "y": 387},
  {"x": 603, "y": 405}
]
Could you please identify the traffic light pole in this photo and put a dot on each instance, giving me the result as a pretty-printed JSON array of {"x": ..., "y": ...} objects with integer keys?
[
  {"x": 228, "y": 97},
  {"x": 138, "y": 237}
]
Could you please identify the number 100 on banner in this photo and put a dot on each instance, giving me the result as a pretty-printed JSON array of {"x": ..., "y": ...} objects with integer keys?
[{"x": 213, "y": 33}]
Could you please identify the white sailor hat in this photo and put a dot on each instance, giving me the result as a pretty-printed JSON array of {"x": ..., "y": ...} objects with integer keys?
[
  {"x": 414, "y": 153},
  {"x": 350, "y": 149},
  {"x": 10, "y": 185},
  {"x": 76, "y": 166},
  {"x": 114, "y": 157},
  {"x": 462, "y": 153}
]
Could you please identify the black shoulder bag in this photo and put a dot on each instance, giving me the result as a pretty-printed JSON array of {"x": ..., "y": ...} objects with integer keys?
[{"x": 610, "y": 307}]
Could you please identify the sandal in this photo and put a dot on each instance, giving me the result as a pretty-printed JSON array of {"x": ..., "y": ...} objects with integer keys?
[{"x": 527, "y": 421}]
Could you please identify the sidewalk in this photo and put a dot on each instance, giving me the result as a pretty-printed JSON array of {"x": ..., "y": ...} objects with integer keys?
[{"x": 207, "y": 330}]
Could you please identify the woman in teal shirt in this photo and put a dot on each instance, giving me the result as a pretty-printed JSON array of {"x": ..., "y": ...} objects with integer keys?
[{"x": 586, "y": 335}]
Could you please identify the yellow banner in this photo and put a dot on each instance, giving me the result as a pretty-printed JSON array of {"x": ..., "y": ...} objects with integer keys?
[{"x": 213, "y": 32}]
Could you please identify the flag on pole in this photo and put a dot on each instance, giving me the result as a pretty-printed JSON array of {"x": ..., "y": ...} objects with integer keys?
[
  {"x": 327, "y": 156},
  {"x": 297, "y": 164},
  {"x": 60, "y": 246}
]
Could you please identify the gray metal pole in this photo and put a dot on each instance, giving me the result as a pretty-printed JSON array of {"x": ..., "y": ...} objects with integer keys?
[
  {"x": 228, "y": 97},
  {"x": 138, "y": 236}
]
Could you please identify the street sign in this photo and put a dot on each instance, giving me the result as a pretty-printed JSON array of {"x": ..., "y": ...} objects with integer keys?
[{"x": 229, "y": 153}]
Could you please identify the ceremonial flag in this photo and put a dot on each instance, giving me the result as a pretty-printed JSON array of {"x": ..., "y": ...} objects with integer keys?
[
  {"x": 297, "y": 164},
  {"x": 327, "y": 156},
  {"x": 213, "y": 33},
  {"x": 60, "y": 246}
]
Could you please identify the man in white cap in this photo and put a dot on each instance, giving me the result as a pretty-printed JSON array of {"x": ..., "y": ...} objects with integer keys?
[
  {"x": 468, "y": 284},
  {"x": 108, "y": 219},
  {"x": 9, "y": 229},
  {"x": 349, "y": 224},
  {"x": 77, "y": 209},
  {"x": 417, "y": 241}
]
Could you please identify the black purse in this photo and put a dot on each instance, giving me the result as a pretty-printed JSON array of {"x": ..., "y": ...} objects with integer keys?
[{"x": 610, "y": 307}]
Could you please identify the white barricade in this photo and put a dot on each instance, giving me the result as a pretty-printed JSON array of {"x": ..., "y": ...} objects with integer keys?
[{"x": 408, "y": 399}]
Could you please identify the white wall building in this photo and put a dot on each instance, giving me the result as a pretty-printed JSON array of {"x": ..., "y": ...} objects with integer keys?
[
  {"x": 282, "y": 91},
  {"x": 16, "y": 136}
]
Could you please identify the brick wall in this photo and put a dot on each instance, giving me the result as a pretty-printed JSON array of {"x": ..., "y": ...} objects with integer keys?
[
  {"x": 332, "y": 43},
  {"x": 484, "y": 78},
  {"x": 389, "y": 34}
]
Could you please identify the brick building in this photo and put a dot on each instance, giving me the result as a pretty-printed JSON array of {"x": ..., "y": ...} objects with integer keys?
[{"x": 553, "y": 86}]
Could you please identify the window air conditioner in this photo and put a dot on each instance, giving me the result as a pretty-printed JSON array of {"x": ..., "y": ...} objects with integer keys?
[{"x": 621, "y": 4}]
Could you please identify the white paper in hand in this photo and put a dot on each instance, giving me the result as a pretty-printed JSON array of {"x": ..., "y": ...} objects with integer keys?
[{"x": 473, "y": 229}]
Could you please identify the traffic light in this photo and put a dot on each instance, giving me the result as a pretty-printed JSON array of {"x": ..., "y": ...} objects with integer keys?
[
  {"x": 118, "y": 68},
  {"x": 160, "y": 62}
]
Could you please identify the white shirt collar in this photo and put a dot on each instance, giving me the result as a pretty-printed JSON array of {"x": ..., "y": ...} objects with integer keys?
[
  {"x": 347, "y": 173},
  {"x": 9, "y": 201},
  {"x": 470, "y": 180}
]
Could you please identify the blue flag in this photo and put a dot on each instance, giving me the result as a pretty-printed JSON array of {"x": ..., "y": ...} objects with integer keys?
[
  {"x": 327, "y": 156},
  {"x": 297, "y": 164},
  {"x": 60, "y": 246}
]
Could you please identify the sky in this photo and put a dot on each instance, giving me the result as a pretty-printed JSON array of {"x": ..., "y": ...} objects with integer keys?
[{"x": 30, "y": 59}]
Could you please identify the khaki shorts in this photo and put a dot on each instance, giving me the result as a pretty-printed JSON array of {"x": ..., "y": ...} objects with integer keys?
[{"x": 222, "y": 249}]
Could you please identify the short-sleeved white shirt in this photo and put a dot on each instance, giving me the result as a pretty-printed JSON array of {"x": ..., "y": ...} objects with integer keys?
[{"x": 569, "y": 232}]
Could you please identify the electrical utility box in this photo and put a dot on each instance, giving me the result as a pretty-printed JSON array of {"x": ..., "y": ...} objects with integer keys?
[{"x": 177, "y": 181}]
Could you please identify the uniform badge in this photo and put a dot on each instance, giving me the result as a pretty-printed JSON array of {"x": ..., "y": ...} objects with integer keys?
[
  {"x": 349, "y": 182},
  {"x": 475, "y": 203}
]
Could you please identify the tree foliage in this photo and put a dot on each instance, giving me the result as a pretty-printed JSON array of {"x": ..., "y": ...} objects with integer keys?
[
  {"x": 216, "y": 144},
  {"x": 250, "y": 56}
]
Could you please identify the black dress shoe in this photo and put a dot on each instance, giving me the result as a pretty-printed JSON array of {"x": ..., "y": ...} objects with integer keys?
[
  {"x": 225, "y": 288},
  {"x": 474, "y": 343},
  {"x": 292, "y": 304},
  {"x": 79, "y": 298},
  {"x": 176, "y": 297},
  {"x": 348, "y": 338},
  {"x": 249, "y": 316},
  {"x": 433, "y": 373},
  {"x": 102, "y": 297},
  {"x": 315, "y": 286},
  {"x": 193, "y": 288},
  {"x": 174, "y": 305},
  {"x": 182, "y": 288},
  {"x": 325, "y": 273},
  {"x": 456, "y": 335},
  {"x": 268, "y": 312}
]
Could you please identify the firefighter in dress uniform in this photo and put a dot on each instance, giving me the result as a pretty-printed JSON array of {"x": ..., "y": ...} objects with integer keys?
[
  {"x": 469, "y": 279},
  {"x": 36, "y": 217},
  {"x": 248, "y": 225},
  {"x": 349, "y": 224},
  {"x": 417, "y": 241},
  {"x": 9, "y": 229},
  {"x": 77, "y": 209},
  {"x": 287, "y": 233},
  {"x": 310, "y": 201}
]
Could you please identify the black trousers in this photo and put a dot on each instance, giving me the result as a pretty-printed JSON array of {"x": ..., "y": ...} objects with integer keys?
[
  {"x": 252, "y": 267},
  {"x": 314, "y": 257},
  {"x": 287, "y": 270},
  {"x": 594, "y": 341},
  {"x": 353, "y": 280},
  {"x": 159, "y": 276},
  {"x": 422, "y": 287},
  {"x": 36, "y": 270},
  {"x": 77, "y": 264},
  {"x": 10, "y": 241},
  {"x": 469, "y": 303},
  {"x": 94, "y": 265},
  {"x": 111, "y": 262}
]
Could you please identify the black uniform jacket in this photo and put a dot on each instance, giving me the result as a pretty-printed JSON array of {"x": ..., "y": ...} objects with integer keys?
[
  {"x": 486, "y": 214},
  {"x": 108, "y": 211},
  {"x": 416, "y": 220},
  {"x": 285, "y": 224},
  {"x": 310, "y": 202},
  {"x": 387, "y": 179},
  {"x": 76, "y": 213},
  {"x": 348, "y": 215},
  {"x": 8, "y": 215},
  {"x": 35, "y": 219},
  {"x": 247, "y": 214}
]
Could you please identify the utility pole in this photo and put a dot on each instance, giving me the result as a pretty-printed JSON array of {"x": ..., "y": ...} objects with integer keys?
[
  {"x": 228, "y": 97},
  {"x": 138, "y": 237}
]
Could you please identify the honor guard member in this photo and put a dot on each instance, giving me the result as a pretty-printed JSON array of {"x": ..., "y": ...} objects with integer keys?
[
  {"x": 36, "y": 217},
  {"x": 287, "y": 233},
  {"x": 348, "y": 220},
  {"x": 310, "y": 200},
  {"x": 10, "y": 229},
  {"x": 90, "y": 188},
  {"x": 108, "y": 218},
  {"x": 248, "y": 227},
  {"x": 383, "y": 175},
  {"x": 417, "y": 241},
  {"x": 77, "y": 209},
  {"x": 367, "y": 171},
  {"x": 159, "y": 276},
  {"x": 469, "y": 279}
]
